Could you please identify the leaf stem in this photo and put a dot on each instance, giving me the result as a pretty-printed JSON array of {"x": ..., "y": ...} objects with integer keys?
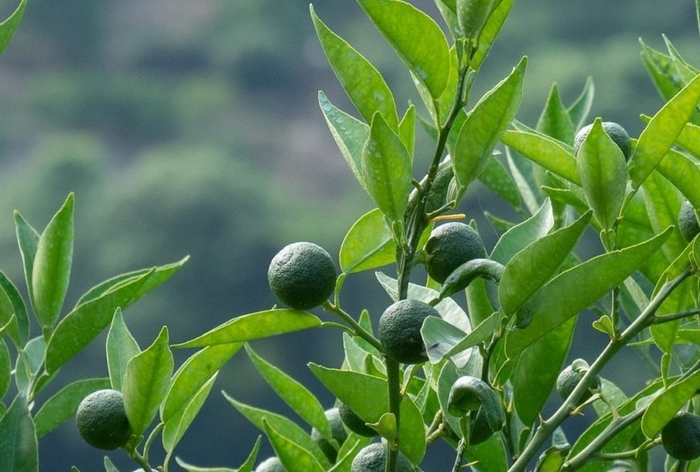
[{"x": 356, "y": 328}]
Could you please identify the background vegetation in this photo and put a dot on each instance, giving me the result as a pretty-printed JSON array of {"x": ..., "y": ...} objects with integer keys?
[{"x": 193, "y": 127}]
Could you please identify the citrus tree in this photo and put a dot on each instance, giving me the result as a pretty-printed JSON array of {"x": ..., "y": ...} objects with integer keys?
[{"x": 474, "y": 342}]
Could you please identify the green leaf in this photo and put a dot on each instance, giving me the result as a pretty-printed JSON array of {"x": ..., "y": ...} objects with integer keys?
[
  {"x": 552, "y": 459},
  {"x": 555, "y": 120},
  {"x": 121, "y": 347},
  {"x": 472, "y": 16},
  {"x": 441, "y": 336},
  {"x": 490, "y": 32},
  {"x": 684, "y": 173},
  {"x": 18, "y": 441},
  {"x": 661, "y": 132},
  {"x": 578, "y": 111},
  {"x": 539, "y": 365},
  {"x": 662, "y": 71},
  {"x": 89, "y": 319},
  {"x": 197, "y": 370},
  {"x": 109, "y": 466},
  {"x": 580, "y": 286},
  {"x": 28, "y": 241},
  {"x": 293, "y": 393},
  {"x": 367, "y": 396},
  {"x": 689, "y": 139},
  {"x": 386, "y": 168},
  {"x": 282, "y": 426},
  {"x": 350, "y": 135},
  {"x": 485, "y": 126},
  {"x": 19, "y": 309},
  {"x": 63, "y": 404},
  {"x": 361, "y": 80},
  {"x": 551, "y": 154},
  {"x": 258, "y": 325},
  {"x": 292, "y": 455},
  {"x": 496, "y": 177},
  {"x": 663, "y": 203},
  {"x": 146, "y": 382},
  {"x": 52, "y": 264},
  {"x": 668, "y": 403},
  {"x": 368, "y": 244},
  {"x": 416, "y": 38},
  {"x": 247, "y": 466},
  {"x": 603, "y": 173},
  {"x": 522, "y": 235},
  {"x": 537, "y": 263},
  {"x": 5, "y": 369},
  {"x": 9, "y": 26},
  {"x": 178, "y": 424}
]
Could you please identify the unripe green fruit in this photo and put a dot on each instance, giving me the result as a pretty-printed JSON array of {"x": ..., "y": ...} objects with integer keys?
[
  {"x": 687, "y": 221},
  {"x": 353, "y": 422},
  {"x": 450, "y": 245},
  {"x": 338, "y": 432},
  {"x": 399, "y": 330},
  {"x": 570, "y": 377},
  {"x": 681, "y": 436},
  {"x": 271, "y": 464},
  {"x": 102, "y": 421},
  {"x": 616, "y": 132},
  {"x": 302, "y": 275},
  {"x": 372, "y": 458}
]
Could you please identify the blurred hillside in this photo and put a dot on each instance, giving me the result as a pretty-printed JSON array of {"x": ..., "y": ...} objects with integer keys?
[{"x": 193, "y": 128}]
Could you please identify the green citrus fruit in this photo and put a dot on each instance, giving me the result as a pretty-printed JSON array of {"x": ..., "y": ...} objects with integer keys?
[
  {"x": 687, "y": 221},
  {"x": 450, "y": 245},
  {"x": 353, "y": 422},
  {"x": 271, "y": 464},
  {"x": 399, "y": 330},
  {"x": 681, "y": 436},
  {"x": 102, "y": 421},
  {"x": 570, "y": 377},
  {"x": 616, "y": 132},
  {"x": 302, "y": 275},
  {"x": 338, "y": 432},
  {"x": 372, "y": 458}
]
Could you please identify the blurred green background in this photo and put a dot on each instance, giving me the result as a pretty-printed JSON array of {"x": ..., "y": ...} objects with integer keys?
[{"x": 192, "y": 127}]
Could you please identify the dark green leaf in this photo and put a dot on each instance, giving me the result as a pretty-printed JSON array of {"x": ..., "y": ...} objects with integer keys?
[
  {"x": 485, "y": 126},
  {"x": 368, "y": 244},
  {"x": 555, "y": 120},
  {"x": 5, "y": 369},
  {"x": 21, "y": 336},
  {"x": 367, "y": 396},
  {"x": 533, "y": 266},
  {"x": 361, "y": 80},
  {"x": 63, "y": 405},
  {"x": 258, "y": 325},
  {"x": 28, "y": 240},
  {"x": 416, "y": 38},
  {"x": 146, "y": 382},
  {"x": 52, "y": 264},
  {"x": 293, "y": 393},
  {"x": 661, "y": 132},
  {"x": 580, "y": 286},
  {"x": 386, "y": 169},
  {"x": 9, "y": 26},
  {"x": 18, "y": 441},
  {"x": 603, "y": 173},
  {"x": 551, "y": 154},
  {"x": 668, "y": 403},
  {"x": 121, "y": 347},
  {"x": 90, "y": 318},
  {"x": 282, "y": 426}
]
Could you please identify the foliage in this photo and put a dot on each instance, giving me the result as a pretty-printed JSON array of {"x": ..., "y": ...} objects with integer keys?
[{"x": 496, "y": 353}]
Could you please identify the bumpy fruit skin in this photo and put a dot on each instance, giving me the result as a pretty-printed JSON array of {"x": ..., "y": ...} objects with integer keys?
[
  {"x": 399, "y": 330},
  {"x": 680, "y": 437},
  {"x": 616, "y": 132},
  {"x": 102, "y": 421},
  {"x": 569, "y": 378},
  {"x": 450, "y": 245},
  {"x": 372, "y": 458},
  {"x": 338, "y": 432},
  {"x": 687, "y": 221},
  {"x": 271, "y": 464},
  {"x": 353, "y": 422},
  {"x": 302, "y": 275}
]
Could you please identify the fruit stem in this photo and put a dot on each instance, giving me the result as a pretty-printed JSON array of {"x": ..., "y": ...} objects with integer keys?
[{"x": 356, "y": 328}]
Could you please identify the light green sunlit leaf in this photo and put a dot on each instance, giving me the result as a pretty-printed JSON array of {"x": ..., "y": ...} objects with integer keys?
[
  {"x": 551, "y": 154},
  {"x": 368, "y": 244},
  {"x": 9, "y": 26},
  {"x": 121, "y": 347}
]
